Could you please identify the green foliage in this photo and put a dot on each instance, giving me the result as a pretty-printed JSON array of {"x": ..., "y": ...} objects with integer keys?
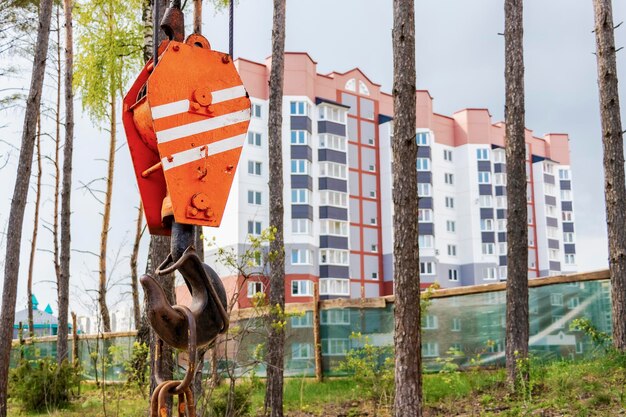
[
  {"x": 137, "y": 368},
  {"x": 241, "y": 401},
  {"x": 600, "y": 339},
  {"x": 109, "y": 43},
  {"x": 372, "y": 368},
  {"x": 42, "y": 385}
]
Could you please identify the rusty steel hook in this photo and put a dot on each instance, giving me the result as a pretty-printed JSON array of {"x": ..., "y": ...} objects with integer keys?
[{"x": 208, "y": 297}]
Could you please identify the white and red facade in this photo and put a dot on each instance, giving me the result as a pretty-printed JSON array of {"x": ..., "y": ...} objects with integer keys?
[{"x": 338, "y": 229}]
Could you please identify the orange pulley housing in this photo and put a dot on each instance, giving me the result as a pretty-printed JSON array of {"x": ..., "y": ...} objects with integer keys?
[{"x": 186, "y": 121}]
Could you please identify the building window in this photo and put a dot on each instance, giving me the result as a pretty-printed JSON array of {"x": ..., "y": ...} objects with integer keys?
[
  {"x": 299, "y": 108},
  {"x": 300, "y": 257},
  {"x": 335, "y": 316},
  {"x": 430, "y": 322},
  {"x": 333, "y": 170},
  {"x": 486, "y": 225},
  {"x": 256, "y": 110},
  {"x": 374, "y": 247},
  {"x": 503, "y": 271},
  {"x": 423, "y": 164},
  {"x": 333, "y": 114},
  {"x": 499, "y": 178},
  {"x": 373, "y": 194},
  {"x": 334, "y": 347},
  {"x": 501, "y": 202},
  {"x": 301, "y": 288},
  {"x": 374, "y": 275},
  {"x": 489, "y": 274},
  {"x": 553, "y": 254},
  {"x": 484, "y": 177},
  {"x": 424, "y": 189},
  {"x": 254, "y": 138},
  {"x": 306, "y": 320},
  {"x": 449, "y": 178},
  {"x": 333, "y": 227},
  {"x": 489, "y": 249},
  {"x": 566, "y": 195},
  {"x": 334, "y": 257},
  {"x": 333, "y": 198},
  {"x": 447, "y": 155},
  {"x": 299, "y": 137},
  {"x": 531, "y": 238},
  {"x": 254, "y": 228},
  {"x": 254, "y": 287},
  {"x": 502, "y": 248},
  {"x": 556, "y": 299},
  {"x": 426, "y": 241},
  {"x": 423, "y": 139},
  {"x": 450, "y": 226},
  {"x": 334, "y": 286},
  {"x": 567, "y": 216},
  {"x": 482, "y": 154},
  {"x": 301, "y": 351},
  {"x": 456, "y": 324},
  {"x": 568, "y": 237},
  {"x": 499, "y": 156},
  {"x": 450, "y": 202},
  {"x": 254, "y": 167},
  {"x": 254, "y": 197},
  {"x": 573, "y": 302},
  {"x": 570, "y": 259},
  {"x": 501, "y": 224},
  {"x": 300, "y": 166},
  {"x": 564, "y": 174},
  {"x": 451, "y": 250},
  {"x": 453, "y": 274},
  {"x": 548, "y": 167},
  {"x": 300, "y": 196},
  {"x": 552, "y": 232},
  {"x": 425, "y": 215},
  {"x": 427, "y": 268},
  {"x": 430, "y": 349},
  {"x": 328, "y": 141},
  {"x": 301, "y": 226},
  {"x": 558, "y": 322},
  {"x": 485, "y": 201}
]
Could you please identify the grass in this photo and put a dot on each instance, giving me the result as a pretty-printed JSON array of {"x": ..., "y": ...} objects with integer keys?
[{"x": 595, "y": 387}]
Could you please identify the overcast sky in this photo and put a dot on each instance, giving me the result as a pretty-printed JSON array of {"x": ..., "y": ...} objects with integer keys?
[{"x": 460, "y": 60}]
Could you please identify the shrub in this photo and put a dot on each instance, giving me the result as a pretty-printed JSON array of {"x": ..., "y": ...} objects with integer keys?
[
  {"x": 373, "y": 369},
  {"x": 42, "y": 385},
  {"x": 241, "y": 401}
]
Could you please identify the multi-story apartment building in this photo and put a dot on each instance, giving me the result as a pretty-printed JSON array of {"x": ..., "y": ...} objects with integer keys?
[{"x": 337, "y": 130}]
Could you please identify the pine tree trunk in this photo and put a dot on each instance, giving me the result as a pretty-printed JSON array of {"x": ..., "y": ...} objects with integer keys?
[
  {"x": 57, "y": 152},
  {"x": 159, "y": 245},
  {"x": 33, "y": 242},
  {"x": 134, "y": 276},
  {"x": 612, "y": 142},
  {"x": 102, "y": 287},
  {"x": 63, "y": 288},
  {"x": 517, "y": 227},
  {"x": 20, "y": 194},
  {"x": 408, "y": 364},
  {"x": 159, "y": 249},
  {"x": 276, "y": 341},
  {"x": 197, "y": 16}
]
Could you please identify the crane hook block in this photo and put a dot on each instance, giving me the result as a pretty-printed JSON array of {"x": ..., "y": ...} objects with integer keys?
[{"x": 186, "y": 121}]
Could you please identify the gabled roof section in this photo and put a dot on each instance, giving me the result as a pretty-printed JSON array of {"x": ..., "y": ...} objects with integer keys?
[{"x": 357, "y": 70}]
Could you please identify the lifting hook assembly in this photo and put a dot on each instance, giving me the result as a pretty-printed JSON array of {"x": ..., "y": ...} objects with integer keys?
[{"x": 186, "y": 117}]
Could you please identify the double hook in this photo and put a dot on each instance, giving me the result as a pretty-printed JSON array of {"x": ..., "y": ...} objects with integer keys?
[{"x": 180, "y": 326}]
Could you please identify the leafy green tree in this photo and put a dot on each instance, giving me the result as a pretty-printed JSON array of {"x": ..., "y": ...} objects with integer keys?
[{"x": 110, "y": 47}]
